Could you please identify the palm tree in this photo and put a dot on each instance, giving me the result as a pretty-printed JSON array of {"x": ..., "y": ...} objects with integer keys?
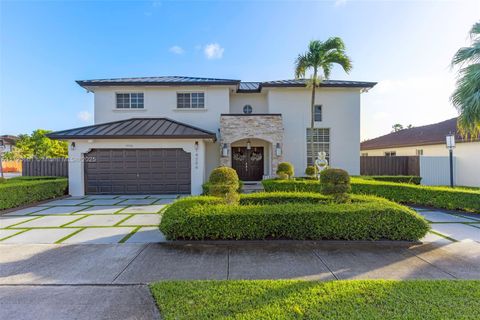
[
  {"x": 466, "y": 97},
  {"x": 320, "y": 58}
]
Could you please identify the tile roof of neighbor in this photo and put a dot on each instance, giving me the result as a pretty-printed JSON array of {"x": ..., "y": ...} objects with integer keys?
[
  {"x": 424, "y": 135},
  {"x": 136, "y": 128},
  {"x": 242, "y": 86}
]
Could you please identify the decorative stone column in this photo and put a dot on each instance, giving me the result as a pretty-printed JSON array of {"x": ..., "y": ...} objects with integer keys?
[{"x": 267, "y": 127}]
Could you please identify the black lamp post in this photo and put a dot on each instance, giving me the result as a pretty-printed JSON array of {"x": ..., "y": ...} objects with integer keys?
[{"x": 450, "y": 146}]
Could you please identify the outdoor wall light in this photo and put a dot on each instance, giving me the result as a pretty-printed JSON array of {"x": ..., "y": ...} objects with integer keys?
[
  {"x": 225, "y": 150},
  {"x": 72, "y": 146},
  {"x": 249, "y": 145},
  {"x": 278, "y": 150},
  {"x": 196, "y": 145}
]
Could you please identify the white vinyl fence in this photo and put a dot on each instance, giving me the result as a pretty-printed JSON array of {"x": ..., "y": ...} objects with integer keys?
[{"x": 435, "y": 171}]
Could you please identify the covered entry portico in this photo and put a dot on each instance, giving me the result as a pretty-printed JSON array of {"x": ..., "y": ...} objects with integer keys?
[{"x": 252, "y": 144}]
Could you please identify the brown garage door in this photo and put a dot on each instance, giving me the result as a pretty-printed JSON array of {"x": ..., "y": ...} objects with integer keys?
[{"x": 137, "y": 171}]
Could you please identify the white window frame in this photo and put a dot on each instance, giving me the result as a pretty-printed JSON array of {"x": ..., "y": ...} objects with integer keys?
[
  {"x": 419, "y": 152},
  {"x": 129, "y": 100},
  {"x": 190, "y": 107},
  {"x": 328, "y": 144},
  {"x": 390, "y": 153}
]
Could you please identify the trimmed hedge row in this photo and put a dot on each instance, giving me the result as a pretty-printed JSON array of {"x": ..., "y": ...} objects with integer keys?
[
  {"x": 398, "y": 179},
  {"x": 19, "y": 192},
  {"x": 273, "y": 216},
  {"x": 438, "y": 197}
]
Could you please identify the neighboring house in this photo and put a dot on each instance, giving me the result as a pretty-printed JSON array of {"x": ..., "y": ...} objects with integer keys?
[
  {"x": 430, "y": 140},
  {"x": 7, "y": 142},
  {"x": 166, "y": 134}
]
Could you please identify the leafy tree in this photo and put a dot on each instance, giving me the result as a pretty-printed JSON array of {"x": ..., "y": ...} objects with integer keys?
[
  {"x": 398, "y": 127},
  {"x": 37, "y": 145},
  {"x": 466, "y": 97},
  {"x": 320, "y": 58}
]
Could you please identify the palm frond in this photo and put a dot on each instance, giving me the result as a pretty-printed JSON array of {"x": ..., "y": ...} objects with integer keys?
[
  {"x": 339, "y": 58},
  {"x": 475, "y": 31},
  {"x": 466, "y": 99},
  {"x": 333, "y": 43},
  {"x": 301, "y": 66}
]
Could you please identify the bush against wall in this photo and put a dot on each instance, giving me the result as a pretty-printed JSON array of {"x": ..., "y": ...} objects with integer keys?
[
  {"x": 17, "y": 192},
  {"x": 438, "y": 197}
]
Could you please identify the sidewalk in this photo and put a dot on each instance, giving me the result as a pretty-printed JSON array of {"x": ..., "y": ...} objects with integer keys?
[{"x": 67, "y": 281}]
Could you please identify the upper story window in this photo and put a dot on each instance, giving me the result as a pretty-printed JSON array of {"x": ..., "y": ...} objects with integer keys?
[
  {"x": 419, "y": 152},
  {"x": 317, "y": 112},
  {"x": 190, "y": 100},
  {"x": 247, "y": 109},
  {"x": 390, "y": 153},
  {"x": 130, "y": 100}
]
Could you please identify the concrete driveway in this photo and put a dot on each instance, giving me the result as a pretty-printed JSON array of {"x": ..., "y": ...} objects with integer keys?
[
  {"x": 98, "y": 278},
  {"x": 91, "y": 219}
]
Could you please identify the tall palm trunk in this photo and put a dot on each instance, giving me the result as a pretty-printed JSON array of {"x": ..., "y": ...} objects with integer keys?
[{"x": 312, "y": 109}]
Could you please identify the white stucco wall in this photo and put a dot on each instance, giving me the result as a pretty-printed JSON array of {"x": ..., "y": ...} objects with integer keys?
[
  {"x": 467, "y": 159},
  {"x": 258, "y": 101},
  {"x": 340, "y": 113},
  {"x": 162, "y": 102},
  {"x": 76, "y": 166}
]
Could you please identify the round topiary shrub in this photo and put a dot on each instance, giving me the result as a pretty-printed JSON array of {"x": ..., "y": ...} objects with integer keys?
[
  {"x": 310, "y": 171},
  {"x": 335, "y": 182},
  {"x": 223, "y": 182},
  {"x": 223, "y": 175},
  {"x": 286, "y": 168},
  {"x": 283, "y": 176}
]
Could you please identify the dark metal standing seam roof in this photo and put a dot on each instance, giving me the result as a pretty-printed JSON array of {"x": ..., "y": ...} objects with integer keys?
[
  {"x": 155, "y": 81},
  {"x": 251, "y": 87},
  {"x": 136, "y": 128},
  {"x": 324, "y": 83}
]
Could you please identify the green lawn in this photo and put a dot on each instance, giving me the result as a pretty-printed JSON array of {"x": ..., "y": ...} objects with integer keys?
[{"x": 290, "y": 299}]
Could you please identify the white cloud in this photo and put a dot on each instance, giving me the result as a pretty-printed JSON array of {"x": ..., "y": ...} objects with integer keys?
[
  {"x": 176, "y": 50},
  {"x": 213, "y": 51},
  {"x": 340, "y": 3},
  {"x": 84, "y": 116}
]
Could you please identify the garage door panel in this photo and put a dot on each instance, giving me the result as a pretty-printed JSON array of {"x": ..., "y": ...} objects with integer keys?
[{"x": 120, "y": 171}]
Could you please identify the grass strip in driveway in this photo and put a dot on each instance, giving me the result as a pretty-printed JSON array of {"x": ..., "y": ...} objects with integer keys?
[{"x": 293, "y": 299}]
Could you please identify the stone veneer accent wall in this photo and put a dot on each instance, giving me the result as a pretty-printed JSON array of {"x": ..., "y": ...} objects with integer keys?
[{"x": 268, "y": 127}]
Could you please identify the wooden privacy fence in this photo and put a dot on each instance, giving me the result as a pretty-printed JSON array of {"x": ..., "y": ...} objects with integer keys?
[
  {"x": 45, "y": 167},
  {"x": 390, "y": 166}
]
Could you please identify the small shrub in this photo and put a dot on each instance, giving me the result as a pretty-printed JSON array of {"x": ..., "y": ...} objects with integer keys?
[
  {"x": 286, "y": 168},
  {"x": 291, "y": 216},
  {"x": 224, "y": 183},
  {"x": 335, "y": 182},
  {"x": 206, "y": 187},
  {"x": 2, "y": 180},
  {"x": 310, "y": 171},
  {"x": 283, "y": 176},
  {"x": 223, "y": 175}
]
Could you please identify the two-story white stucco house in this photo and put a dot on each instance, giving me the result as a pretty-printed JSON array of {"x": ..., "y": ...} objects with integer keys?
[{"x": 166, "y": 134}]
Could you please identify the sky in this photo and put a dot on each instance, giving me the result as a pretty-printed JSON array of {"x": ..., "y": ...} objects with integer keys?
[{"x": 405, "y": 46}]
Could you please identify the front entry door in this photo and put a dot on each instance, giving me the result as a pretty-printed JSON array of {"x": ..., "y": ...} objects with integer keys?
[{"x": 248, "y": 163}]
